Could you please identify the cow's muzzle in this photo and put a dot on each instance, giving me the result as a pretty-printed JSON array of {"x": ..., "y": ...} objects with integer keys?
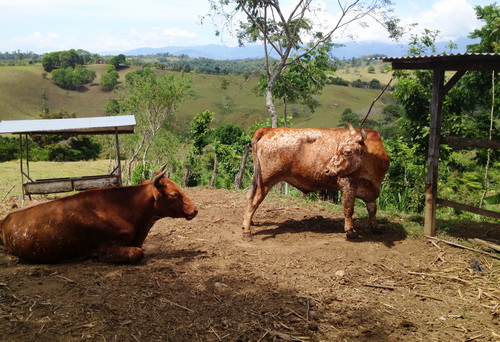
[{"x": 192, "y": 215}]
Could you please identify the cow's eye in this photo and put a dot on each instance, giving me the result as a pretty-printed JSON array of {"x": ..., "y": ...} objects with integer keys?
[
  {"x": 347, "y": 152},
  {"x": 174, "y": 195}
]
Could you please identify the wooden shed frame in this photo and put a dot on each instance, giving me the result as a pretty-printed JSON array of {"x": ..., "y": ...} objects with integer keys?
[
  {"x": 72, "y": 126},
  {"x": 460, "y": 63}
]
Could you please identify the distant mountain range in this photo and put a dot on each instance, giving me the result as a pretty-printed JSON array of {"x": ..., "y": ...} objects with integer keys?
[{"x": 350, "y": 50}]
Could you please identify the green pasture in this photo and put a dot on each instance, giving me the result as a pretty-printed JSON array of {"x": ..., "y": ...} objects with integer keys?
[{"x": 231, "y": 98}]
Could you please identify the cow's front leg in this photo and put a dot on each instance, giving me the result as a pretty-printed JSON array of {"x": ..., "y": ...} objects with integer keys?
[
  {"x": 348, "y": 197},
  {"x": 114, "y": 253}
]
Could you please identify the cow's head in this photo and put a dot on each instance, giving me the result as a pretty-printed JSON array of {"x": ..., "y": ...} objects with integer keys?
[
  {"x": 349, "y": 154},
  {"x": 170, "y": 201}
]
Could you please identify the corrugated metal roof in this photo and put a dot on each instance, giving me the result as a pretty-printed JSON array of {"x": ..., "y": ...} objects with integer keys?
[
  {"x": 461, "y": 61},
  {"x": 450, "y": 56},
  {"x": 122, "y": 124}
]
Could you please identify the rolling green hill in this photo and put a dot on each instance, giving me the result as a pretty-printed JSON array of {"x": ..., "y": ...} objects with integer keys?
[{"x": 22, "y": 88}]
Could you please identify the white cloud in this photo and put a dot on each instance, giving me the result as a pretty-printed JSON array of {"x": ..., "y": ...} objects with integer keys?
[
  {"x": 453, "y": 18},
  {"x": 134, "y": 38},
  {"x": 44, "y": 42}
]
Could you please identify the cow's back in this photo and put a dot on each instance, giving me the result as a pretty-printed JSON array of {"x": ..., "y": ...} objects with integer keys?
[
  {"x": 300, "y": 156},
  {"x": 297, "y": 156}
]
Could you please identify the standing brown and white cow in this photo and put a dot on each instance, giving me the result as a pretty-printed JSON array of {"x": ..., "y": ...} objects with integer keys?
[
  {"x": 113, "y": 222},
  {"x": 353, "y": 161}
]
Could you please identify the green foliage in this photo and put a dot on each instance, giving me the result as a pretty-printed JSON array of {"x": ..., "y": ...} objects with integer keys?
[
  {"x": 65, "y": 59},
  {"x": 338, "y": 81},
  {"x": 200, "y": 131},
  {"x": 109, "y": 79},
  {"x": 228, "y": 134},
  {"x": 118, "y": 61},
  {"x": 488, "y": 33},
  {"x": 403, "y": 188},
  {"x": 9, "y": 149},
  {"x": 304, "y": 78},
  {"x": 141, "y": 171},
  {"x": 73, "y": 149},
  {"x": 73, "y": 79}
]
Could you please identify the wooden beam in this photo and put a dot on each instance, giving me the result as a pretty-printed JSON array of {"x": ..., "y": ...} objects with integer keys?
[
  {"x": 453, "y": 80},
  {"x": 433, "y": 152},
  {"x": 471, "y": 143},
  {"x": 469, "y": 208}
]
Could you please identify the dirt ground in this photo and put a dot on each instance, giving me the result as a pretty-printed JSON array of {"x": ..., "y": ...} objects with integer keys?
[{"x": 298, "y": 280}]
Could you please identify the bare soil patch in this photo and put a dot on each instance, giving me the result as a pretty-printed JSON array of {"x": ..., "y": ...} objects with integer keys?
[{"x": 299, "y": 280}]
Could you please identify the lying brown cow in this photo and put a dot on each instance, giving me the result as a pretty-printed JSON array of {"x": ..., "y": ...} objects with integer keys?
[
  {"x": 113, "y": 222},
  {"x": 353, "y": 161}
]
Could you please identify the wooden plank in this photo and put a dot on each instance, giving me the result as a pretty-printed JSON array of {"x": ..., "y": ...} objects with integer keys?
[
  {"x": 471, "y": 143},
  {"x": 469, "y": 208},
  {"x": 453, "y": 80},
  {"x": 48, "y": 187},
  {"x": 433, "y": 152}
]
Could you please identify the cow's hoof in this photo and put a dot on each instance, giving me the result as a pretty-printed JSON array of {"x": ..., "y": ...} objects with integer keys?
[
  {"x": 248, "y": 237},
  {"x": 351, "y": 235}
]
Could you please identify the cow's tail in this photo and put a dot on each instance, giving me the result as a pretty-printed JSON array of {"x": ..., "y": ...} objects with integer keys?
[{"x": 256, "y": 163}]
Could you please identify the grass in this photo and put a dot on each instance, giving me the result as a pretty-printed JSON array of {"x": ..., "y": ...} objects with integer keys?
[{"x": 21, "y": 90}]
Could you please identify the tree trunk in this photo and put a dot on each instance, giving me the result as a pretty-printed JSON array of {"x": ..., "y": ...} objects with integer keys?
[
  {"x": 239, "y": 175},
  {"x": 128, "y": 164},
  {"x": 271, "y": 107},
  {"x": 186, "y": 175},
  {"x": 214, "y": 172},
  {"x": 284, "y": 112}
]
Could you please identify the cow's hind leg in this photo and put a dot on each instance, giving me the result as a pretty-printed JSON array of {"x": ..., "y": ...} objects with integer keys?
[
  {"x": 114, "y": 253},
  {"x": 372, "y": 215},
  {"x": 255, "y": 196}
]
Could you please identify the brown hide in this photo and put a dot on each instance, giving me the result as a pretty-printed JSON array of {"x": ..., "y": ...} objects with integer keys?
[
  {"x": 318, "y": 159},
  {"x": 113, "y": 222}
]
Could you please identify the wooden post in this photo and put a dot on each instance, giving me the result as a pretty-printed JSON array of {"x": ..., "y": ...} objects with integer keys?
[
  {"x": 433, "y": 152},
  {"x": 21, "y": 165},
  {"x": 118, "y": 160}
]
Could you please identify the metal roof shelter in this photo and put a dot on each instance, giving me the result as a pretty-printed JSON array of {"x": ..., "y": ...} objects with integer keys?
[
  {"x": 461, "y": 63},
  {"x": 116, "y": 125}
]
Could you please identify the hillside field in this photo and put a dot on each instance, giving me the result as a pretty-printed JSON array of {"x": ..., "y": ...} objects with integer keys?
[{"x": 22, "y": 88}]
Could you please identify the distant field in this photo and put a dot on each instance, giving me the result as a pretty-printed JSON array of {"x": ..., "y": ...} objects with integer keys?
[{"x": 21, "y": 90}]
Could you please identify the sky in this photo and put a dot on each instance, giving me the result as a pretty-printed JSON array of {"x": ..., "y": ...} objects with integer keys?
[{"x": 101, "y": 26}]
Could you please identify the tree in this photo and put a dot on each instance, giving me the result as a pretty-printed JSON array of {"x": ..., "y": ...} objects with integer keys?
[
  {"x": 302, "y": 79},
  {"x": 490, "y": 32},
  {"x": 69, "y": 78},
  {"x": 200, "y": 132},
  {"x": 118, "y": 61},
  {"x": 282, "y": 34},
  {"x": 109, "y": 79},
  {"x": 153, "y": 98}
]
